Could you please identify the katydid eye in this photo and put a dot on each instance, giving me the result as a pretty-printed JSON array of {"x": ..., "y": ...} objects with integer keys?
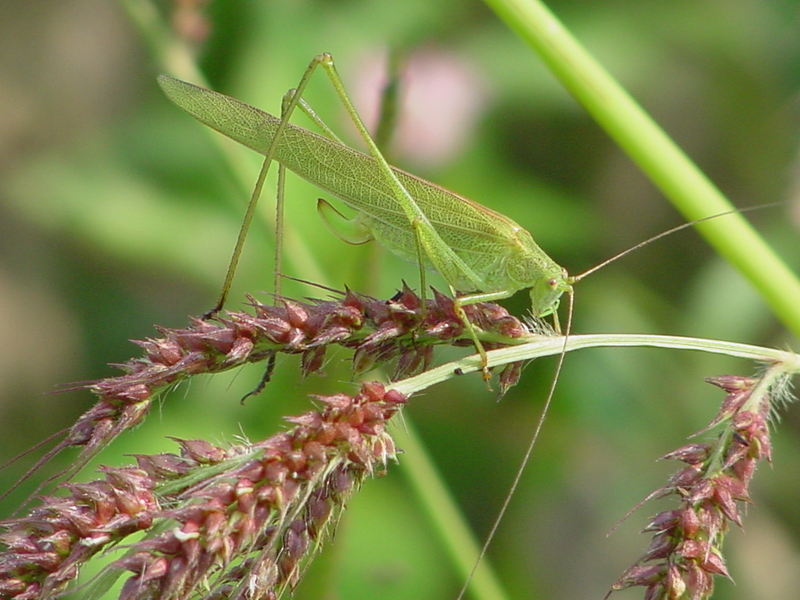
[{"x": 552, "y": 282}]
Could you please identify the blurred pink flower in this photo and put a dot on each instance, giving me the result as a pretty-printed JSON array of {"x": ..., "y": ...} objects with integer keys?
[{"x": 441, "y": 96}]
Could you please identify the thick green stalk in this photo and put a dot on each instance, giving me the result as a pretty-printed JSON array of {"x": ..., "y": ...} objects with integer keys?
[{"x": 665, "y": 164}]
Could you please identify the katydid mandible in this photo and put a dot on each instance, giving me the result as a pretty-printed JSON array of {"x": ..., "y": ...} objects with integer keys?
[{"x": 482, "y": 255}]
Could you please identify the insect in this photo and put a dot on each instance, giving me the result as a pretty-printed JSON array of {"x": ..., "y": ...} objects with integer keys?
[{"x": 483, "y": 255}]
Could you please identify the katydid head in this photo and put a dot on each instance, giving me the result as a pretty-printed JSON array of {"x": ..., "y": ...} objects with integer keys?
[{"x": 546, "y": 292}]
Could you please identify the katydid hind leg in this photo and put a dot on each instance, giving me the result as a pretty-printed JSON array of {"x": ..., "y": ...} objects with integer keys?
[
  {"x": 427, "y": 240},
  {"x": 243, "y": 230},
  {"x": 286, "y": 112},
  {"x": 277, "y": 287},
  {"x": 280, "y": 219},
  {"x": 306, "y": 108},
  {"x": 288, "y": 106},
  {"x": 269, "y": 370}
]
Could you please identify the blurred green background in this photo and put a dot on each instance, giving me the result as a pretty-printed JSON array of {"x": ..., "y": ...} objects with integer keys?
[{"x": 118, "y": 211}]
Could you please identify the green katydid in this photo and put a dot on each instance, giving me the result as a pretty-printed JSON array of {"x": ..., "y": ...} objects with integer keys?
[{"x": 482, "y": 255}]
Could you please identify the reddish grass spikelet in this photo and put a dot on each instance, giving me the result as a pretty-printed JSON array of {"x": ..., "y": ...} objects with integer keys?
[
  {"x": 686, "y": 551},
  {"x": 378, "y": 332},
  {"x": 236, "y": 523}
]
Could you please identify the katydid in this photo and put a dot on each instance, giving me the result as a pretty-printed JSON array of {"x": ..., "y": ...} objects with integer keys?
[{"x": 482, "y": 255}]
